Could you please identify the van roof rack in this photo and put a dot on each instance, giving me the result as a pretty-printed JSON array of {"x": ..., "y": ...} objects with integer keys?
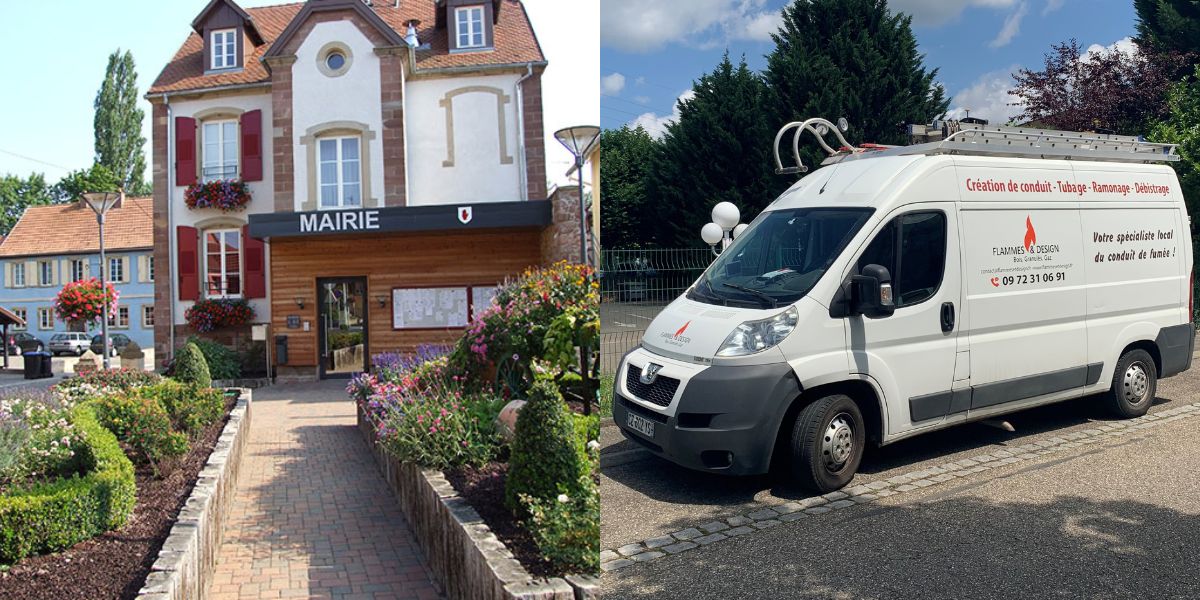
[{"x": 957, "y": 137}]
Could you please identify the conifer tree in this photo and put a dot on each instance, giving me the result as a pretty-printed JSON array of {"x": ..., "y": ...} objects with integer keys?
[
  {"x": 118, "y": 123},
  {"x": 625, "y": 155}
]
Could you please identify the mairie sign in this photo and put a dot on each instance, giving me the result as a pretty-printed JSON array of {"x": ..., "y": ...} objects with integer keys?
[{"x": 531, "y": 213}]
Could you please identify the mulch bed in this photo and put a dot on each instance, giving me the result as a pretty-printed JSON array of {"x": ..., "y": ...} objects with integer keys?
[
  {"x": 484, "y": 489},
  {"x": 115, "y": 564}
]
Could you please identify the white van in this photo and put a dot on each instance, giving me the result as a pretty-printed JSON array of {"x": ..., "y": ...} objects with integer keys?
[{"x": 903, "y": 290}]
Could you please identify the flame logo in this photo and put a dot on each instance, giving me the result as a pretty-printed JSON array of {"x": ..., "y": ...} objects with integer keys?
[
  {"x": 1030, "y": 234},
  {"x": 682, "y": 329}
]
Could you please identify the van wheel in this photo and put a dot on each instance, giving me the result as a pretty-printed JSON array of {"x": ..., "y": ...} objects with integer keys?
[
  {"x": 827, "y": 443},
  {"x": 1134, "y": 384}
]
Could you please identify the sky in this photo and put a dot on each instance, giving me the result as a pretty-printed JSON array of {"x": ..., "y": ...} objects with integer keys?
[
  {"x": 46, "y": 108},
  {"x": 652, "y": 52}
]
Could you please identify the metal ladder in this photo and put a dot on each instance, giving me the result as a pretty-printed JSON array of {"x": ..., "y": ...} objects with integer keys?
[{"x": 954, "y": 137}]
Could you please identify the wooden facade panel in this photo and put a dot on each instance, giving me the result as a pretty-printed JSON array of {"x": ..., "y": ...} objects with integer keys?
[{"x": 481, "y": 257}]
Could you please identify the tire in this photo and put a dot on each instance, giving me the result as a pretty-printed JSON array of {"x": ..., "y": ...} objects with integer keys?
[
  {"x": 827, "y": 443},
  {"x": 79, "y": 351},
  {"x": 1135, "y": 381}
]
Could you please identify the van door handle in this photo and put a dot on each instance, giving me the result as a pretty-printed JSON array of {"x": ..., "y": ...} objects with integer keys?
[{"x": 947, "y": 316}]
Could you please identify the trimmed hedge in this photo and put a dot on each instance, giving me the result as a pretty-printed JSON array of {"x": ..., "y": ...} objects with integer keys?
[
  {"x": 52, "y": 516},
  {"x": 191, "y": 366}
]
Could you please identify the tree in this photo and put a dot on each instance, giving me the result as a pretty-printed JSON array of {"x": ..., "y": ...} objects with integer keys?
[
  {"x": 1168, "y": 26},
  {"x": 626, "y": 154},
  {"x": 118, "y": 123},
  {"x": 96, "y": 179},
  {"x": 16, "y": 194},
  {"x": 718, "y": 150},
  {"x": 1182, "y": 126},
  {"x": 1107, "y": 90},
  {"x": 853, "y": 59}
]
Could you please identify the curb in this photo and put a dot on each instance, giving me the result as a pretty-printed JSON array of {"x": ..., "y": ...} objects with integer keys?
[
  {"x": 770, "y": 515},
  {"x": 185, "y": 564},
  {"x": 467, "y": 558}
]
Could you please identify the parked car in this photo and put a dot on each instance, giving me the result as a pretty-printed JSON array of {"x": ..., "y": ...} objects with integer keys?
[
  {"x": 116, "y": 341},
  {"x": 22, "y": 342},
  {"x": 69, "y": 343}
]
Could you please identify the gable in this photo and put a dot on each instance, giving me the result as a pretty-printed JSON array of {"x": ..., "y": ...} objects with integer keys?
[{"x": 315, "y": 11}]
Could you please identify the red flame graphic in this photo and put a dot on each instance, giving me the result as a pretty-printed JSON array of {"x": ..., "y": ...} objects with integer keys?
[
  {"x": 682, "y": 329},
  {"x": 464, "y": 214},
  {"x": 1030, "y": 234}
]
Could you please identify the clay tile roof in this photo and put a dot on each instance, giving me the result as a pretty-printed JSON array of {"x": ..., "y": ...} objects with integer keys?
[
  {"x": 71, "y": 229},
  {"x": 515, "y": 42}
]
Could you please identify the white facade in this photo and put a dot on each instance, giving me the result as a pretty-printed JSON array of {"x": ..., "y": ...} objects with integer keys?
[
  {"x": 455, "y": 152},
  {"x": 321, "y": 102},
  {"x": 262, "y": 193}
]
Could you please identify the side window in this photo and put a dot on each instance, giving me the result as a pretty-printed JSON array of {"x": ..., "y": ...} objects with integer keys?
[{"x": 913, "y": 248}]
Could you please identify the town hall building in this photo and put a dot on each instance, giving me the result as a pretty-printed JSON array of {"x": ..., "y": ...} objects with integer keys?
[{"x": 364, "y": 174}]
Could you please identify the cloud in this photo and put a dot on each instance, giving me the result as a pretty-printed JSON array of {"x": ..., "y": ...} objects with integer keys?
[
  {"x": 642, "y": 99},
  {"x": 1011, "y": 27},
  {"x": 1125, "y": 45},
  {"x": 641, "y": 80},
  {"x": 987, "y": 98},
  {"x": 639, "y": 26},
  {"x": 934, "y": 13},
  {"x": 612, "y": 84},
  {"x": 1052, "y": 5},
  {"x": 656, "y": 125}
]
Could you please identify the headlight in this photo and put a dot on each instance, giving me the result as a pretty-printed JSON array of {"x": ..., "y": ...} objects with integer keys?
[{"x": 756, "y": 336}]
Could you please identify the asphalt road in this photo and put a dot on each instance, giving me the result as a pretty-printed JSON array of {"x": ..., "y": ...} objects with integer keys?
[{"x": 1114, "y": 519}]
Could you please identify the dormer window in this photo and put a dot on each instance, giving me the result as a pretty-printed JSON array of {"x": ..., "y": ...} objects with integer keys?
[
  {"x": 223, "y": 47},
  {"x": 469, "y": 21}
]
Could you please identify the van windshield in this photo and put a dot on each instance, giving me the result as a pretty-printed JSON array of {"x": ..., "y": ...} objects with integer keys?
[{"x": 780, "y": 257}]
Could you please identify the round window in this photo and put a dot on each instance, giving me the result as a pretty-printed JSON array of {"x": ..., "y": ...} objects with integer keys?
[{"x": 335, "y": 61}]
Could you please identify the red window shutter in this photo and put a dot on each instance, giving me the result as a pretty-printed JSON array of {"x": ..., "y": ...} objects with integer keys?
[
  {"x": 252, "y": 159},
  {"x": 188, "y": 242},
  {"x": 185, "y": 151},
  {"x": 254, "y": 257}
]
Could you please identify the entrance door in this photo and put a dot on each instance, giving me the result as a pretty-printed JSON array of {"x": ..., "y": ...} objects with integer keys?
[{"x": 342, "y": 326}]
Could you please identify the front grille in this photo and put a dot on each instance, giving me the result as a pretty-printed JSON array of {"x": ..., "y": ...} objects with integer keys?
[{"x": 659, "y": 393}]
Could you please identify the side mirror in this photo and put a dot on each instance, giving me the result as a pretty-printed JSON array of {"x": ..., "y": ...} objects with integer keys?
[{"x": 871, "y": 292}]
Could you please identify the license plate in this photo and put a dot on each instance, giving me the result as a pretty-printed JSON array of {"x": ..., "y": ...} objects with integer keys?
[{"x": 640, "y": 424}]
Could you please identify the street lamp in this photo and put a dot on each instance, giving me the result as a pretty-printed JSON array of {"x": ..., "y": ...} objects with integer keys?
[
  {"x": 578, "y": 141},
  {"x": 101, "y": 203},
  {"x": 724, "y": 227}
]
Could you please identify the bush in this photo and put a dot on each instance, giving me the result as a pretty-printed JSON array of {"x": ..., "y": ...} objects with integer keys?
[
  {"x": 223, "y": 362},
  {"x": 435, "y": 427},
  {"x": 191, "y": 408},
  {"x": 37, "y": 441},
  {"x": 100, "y": 383},
  {"x": 566, "y": 528},
  {"x": 544, "y": 450},
  {"x": 143, "y": 425},
  {"x": 191, "y": 367},
  {"x": 52, "y": 516}
]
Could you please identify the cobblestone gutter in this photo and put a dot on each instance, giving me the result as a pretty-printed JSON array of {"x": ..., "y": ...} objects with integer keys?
[
  {"x": 468, "y": 559},
  {"x": 188, "y": 557}
]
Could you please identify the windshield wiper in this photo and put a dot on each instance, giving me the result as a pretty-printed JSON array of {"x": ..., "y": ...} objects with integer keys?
[
  {"x": 771, "y": 303},
  {"x": 711, "y": 294}
]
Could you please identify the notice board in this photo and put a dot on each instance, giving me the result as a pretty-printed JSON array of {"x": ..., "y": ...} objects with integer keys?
[{"x": 430, "y": 308}]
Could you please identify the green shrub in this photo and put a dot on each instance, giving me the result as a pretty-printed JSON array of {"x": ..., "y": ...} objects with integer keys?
[
  {"x": 51, "y": 516},
  {"x": 437, "y": 427},
  {"x": 544, "y": 453},
  {"x": 144, "y": 425},
  {"x": 191, "y": 367},
  {"x": 566, "y": 528},
  {"x": 90, "y": 385},
  {"x": 14, "y": 442},
  {"x": 191, "y": 408},
  {"x": 223, "y": 362}
]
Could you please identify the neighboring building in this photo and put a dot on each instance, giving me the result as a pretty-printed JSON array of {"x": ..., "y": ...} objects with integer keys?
[
  {"x": 52, "y": 245},
  {"x": 392, "y": 187}
]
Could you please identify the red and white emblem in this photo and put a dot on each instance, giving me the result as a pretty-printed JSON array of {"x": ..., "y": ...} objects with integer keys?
[{"x": 464, "y": 214}]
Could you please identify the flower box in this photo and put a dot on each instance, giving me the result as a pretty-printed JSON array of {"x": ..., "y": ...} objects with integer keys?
[{"x": 226, "y": 195}]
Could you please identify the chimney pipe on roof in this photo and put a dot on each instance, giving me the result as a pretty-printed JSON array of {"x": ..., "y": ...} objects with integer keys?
[{"x": 411, "y": 36}]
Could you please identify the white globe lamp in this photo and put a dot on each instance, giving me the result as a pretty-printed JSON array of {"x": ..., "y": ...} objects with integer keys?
[
  {"x": 739, "y": 229},
  {"x": 726, "y": 215},
  {"x": 712, "y": 234}
]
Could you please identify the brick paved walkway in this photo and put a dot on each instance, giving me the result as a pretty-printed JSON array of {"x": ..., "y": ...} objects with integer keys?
[{"x": 312, "y": 517}]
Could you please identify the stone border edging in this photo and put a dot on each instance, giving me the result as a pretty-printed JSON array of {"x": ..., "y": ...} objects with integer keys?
[
  {"x": 188, "y": 557},
  {"x": 772, "y": 515},
  {"x": 468, "y": 559}
]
